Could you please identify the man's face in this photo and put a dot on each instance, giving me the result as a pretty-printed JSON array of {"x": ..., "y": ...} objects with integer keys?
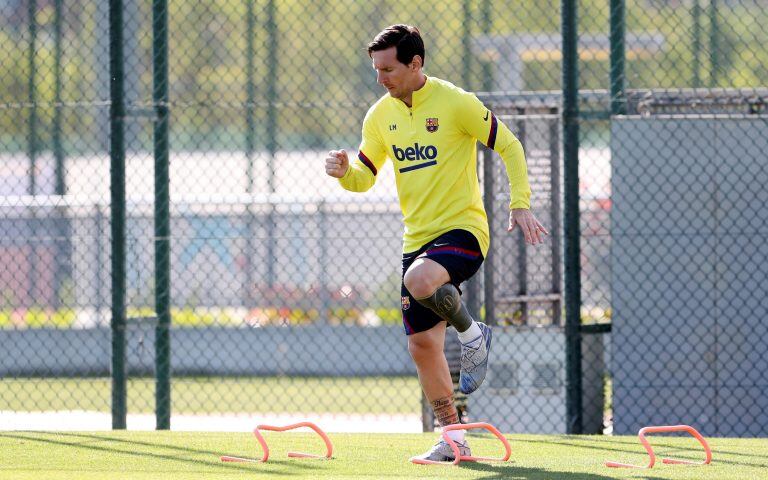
[{"x": 396, "y": 77}]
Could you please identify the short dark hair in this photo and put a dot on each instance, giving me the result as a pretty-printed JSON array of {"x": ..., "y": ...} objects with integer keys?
[{"x": 405, "y": 38}]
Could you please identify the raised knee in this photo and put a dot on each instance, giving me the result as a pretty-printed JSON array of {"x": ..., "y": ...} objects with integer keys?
[{"x": 418, "y": 283}]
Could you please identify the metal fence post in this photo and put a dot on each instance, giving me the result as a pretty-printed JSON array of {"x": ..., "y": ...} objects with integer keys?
[
  {"x": 556, "y": 215},
  {"x": 571, "y": 220},
  {"x": 162, "y": 216},
  {"x": 58, "y": 151},
  {"x": 696, "y": 13},
  {"x": 473, "y": 285},
  {"x": 466, "y": 46},
  {"x": 489, "y": 193},
  {"x": 32, "y": 97},
  {"x": 272, "y": 96},
  {"x": 251, "y": 95},
  {"x": 522, "y": 249},
  {"x": 714, "y": 43},
  {"x": 618, "y": 75},
  {"x": 32, "y": 146},
  {"x": 250, "y": 147},
  {"x": 488, "y": 200},
  {"x": 117, "y": 204},
  {"x": 62, "y": 243}
]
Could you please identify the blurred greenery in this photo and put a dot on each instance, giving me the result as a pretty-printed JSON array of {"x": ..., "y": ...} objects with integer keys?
[
  {"x": 205, "y": 395},
  {"x": 37, "y": 318},
  {"x": 189, "y": 316},
  {"x": 202, "y": 317},
  {"x": 323, "y": 81}
]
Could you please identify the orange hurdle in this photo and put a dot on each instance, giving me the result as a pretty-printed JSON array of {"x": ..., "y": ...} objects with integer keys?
[
  {"x": 328, "y": 444},
  {"x": 265, "y": 448},
  {"x": 468, "y": 458},
  {"x": 649, "y": 449}
]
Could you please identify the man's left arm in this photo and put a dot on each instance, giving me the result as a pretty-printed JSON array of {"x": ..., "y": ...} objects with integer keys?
[{"x": 482, "y": 124}]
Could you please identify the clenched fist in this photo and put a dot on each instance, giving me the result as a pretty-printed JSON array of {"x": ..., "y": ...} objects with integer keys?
[{"x": 336, "y": 163}]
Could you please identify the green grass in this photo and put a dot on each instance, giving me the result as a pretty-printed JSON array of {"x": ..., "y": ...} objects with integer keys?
[
  {"x": 386, "y": 395},
  {"x": 182, "y": 455}
]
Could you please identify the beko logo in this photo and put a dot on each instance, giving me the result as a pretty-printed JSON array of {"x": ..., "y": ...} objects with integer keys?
[{"x": 416, "y": 152}]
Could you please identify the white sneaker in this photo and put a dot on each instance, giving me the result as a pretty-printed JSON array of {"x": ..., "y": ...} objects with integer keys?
[
  {"x": 442, "y": 452},
  {"x": 474, "y": 360}
]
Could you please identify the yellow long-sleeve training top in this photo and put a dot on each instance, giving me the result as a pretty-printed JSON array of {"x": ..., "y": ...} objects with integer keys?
[{"x": 433, "y": 148}]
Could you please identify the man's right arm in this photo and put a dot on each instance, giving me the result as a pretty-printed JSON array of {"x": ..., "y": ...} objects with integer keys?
[{"x": 359, "y": 175}]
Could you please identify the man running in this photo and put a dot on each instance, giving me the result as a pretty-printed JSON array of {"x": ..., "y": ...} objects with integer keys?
[{"x": 429, "y": 129}]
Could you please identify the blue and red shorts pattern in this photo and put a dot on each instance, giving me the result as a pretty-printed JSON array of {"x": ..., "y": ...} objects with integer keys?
[{"x": 458, "y": 251}]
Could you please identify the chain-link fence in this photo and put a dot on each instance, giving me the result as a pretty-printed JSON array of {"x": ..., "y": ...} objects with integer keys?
[
  {"x": 278, "y": 292},
  {"x": 681, "y": 233}
]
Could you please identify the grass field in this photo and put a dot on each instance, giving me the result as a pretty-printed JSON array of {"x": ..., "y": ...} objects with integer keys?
[
  {"x": 382, "y": 395},
  {"x": 133, "y": 455}
]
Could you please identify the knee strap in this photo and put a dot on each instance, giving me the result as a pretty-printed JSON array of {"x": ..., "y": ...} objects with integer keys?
[{"x": 446, "y": 302}]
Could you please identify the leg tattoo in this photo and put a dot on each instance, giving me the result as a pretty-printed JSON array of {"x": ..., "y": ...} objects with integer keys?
[
  {"x": 445, "y": 412},
  {"x": 446, "y": 302}
]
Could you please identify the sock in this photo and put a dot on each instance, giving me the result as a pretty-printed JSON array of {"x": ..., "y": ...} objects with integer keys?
[
  {"x": 470, "y": 334},
  {"x": 446, "y": 302},
  {"x": 456, "y": 435}
]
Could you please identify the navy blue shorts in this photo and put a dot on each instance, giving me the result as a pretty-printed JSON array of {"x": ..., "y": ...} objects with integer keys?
[{"x": 458, "y": 252}]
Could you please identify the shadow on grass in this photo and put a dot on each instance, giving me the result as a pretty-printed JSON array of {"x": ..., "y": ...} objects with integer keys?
[
  {"x": 87, "y": 443},
  {"x": 634, "y": 447},
  {"x": 633, "y": 440},
  {"x": 577, "y": 441},
  {"x": 512, "y": 472}
]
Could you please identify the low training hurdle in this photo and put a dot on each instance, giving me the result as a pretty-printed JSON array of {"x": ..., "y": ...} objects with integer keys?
[
  {"x": 649, "y": 449},
  {"x": 265, "y": 448},
  {"x": 468, "y": 458}
]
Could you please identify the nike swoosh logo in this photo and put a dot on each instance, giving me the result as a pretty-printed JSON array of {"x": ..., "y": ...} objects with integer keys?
[{"x": 486, "y": 116}]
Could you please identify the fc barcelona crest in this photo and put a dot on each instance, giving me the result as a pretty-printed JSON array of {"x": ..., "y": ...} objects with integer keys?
[
  {"x": 406, "y": 302},
  {"x": 432, "y": 125}
]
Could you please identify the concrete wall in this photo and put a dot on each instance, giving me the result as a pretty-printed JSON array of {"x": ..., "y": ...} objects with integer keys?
[{"x": 690, "y": 274}]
